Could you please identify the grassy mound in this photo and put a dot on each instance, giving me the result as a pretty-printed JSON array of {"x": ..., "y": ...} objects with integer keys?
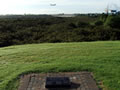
[{"x": 101, "y": 58}]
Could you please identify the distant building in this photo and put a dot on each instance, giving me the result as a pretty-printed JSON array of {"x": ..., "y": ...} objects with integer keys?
[{"x": 113, "y": 11}]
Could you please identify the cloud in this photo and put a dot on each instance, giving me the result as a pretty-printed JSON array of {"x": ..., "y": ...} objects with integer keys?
[{"x": 36, "y": 6}]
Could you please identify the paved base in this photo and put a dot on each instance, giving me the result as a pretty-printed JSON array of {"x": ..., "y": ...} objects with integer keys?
[{"x": 79, "y": 81}]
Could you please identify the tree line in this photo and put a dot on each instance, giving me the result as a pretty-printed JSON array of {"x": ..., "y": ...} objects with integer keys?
[{"x": 14, "y": 31}]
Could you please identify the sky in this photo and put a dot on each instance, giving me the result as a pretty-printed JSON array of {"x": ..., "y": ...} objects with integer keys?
[{"x": 62, "y": 6}]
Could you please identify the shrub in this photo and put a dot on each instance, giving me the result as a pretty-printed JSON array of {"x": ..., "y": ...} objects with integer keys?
[
  {"x": 99, "y": 23},
  {"x": 82, "y": 24},
  {"x": 113, "y": 21}
]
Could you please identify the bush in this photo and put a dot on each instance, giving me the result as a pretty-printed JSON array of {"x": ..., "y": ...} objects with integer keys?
[
  {"x": 25, "y": 30},
  {"x": 113, "y": 21},
  {"x": 82, "y": 24},
  {"x": 99, "y": 23}
]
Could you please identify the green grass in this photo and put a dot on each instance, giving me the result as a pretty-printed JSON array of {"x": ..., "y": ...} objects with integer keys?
[{"x": 101, "y": 58}]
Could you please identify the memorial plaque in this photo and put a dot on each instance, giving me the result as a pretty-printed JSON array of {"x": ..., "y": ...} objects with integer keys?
[{"x": 57, "y": 82}]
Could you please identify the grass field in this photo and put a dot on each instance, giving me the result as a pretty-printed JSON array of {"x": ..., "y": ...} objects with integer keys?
[{"x": 101, "y": 58}]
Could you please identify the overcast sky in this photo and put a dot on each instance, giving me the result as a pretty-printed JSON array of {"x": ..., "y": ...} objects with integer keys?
[{"x": 62, "y": 6}]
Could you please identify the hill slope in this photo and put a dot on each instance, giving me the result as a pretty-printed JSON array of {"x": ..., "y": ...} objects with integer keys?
[{"x": 101, "y": 58}]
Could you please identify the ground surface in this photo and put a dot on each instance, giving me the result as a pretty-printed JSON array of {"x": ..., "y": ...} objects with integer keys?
[
  {"x": 101, "y": 58},
  {"x": 79, "y": 81}
]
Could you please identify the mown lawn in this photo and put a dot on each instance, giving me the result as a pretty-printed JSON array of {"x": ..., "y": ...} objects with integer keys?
[{"x": 101, "y": 58}]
